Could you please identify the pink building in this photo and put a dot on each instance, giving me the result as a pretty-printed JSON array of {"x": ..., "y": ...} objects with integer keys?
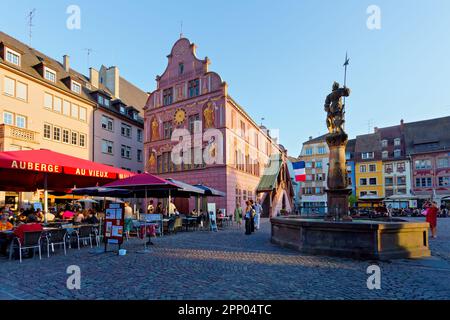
[{"x": 224, "y": 148}]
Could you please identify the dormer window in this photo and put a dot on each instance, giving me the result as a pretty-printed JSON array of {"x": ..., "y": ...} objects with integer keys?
[
  {"x": 122, "y": 110},
  {"x": 135, "y": 115},
  {"x": 75, "y": 87},
  {"x": 49, "y": 74},
  {"x": 12, "y": 57}
]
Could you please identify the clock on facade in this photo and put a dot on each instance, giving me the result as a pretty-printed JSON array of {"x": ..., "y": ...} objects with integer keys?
[{"x": 180, "y": 116}]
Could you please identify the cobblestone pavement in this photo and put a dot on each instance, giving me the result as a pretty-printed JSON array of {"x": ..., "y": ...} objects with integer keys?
[{"x": 225, "y": 265}]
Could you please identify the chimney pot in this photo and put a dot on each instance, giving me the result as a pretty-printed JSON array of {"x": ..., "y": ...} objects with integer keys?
[
  {"x": 93, "y": 77},
  {"x": 66, "y": 63}
]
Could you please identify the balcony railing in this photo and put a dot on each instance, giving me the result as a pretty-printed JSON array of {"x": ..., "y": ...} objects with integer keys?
[{"x": 12, "y": 132}]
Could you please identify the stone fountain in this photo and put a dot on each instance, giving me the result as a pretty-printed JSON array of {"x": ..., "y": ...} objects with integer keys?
[{"x": 338, "y": 234}]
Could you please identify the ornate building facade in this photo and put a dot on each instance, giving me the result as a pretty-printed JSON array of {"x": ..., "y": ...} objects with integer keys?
[{"x": 195, "y": 132}]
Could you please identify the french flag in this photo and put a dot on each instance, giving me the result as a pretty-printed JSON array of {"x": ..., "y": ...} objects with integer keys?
[{"x": 299, "y": 171}]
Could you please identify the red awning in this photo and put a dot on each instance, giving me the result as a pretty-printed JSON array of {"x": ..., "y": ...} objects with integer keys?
[{"x": 26, "y": 171}]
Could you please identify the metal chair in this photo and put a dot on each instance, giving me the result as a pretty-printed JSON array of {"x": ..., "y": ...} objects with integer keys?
[
  {"x": 57, "y": 237},
  {"x": 84, "y": 233},
  {"x": 31, "y": 240}
]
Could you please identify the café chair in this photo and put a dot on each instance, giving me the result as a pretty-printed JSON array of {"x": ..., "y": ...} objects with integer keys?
[
  {"x": 84, "y": 233},
  {"x": 57, "y": 237},
  {"x": 31, "y": 240}
]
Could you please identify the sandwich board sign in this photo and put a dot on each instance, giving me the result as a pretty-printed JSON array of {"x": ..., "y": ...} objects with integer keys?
[
  {"x": 212, "y": 216},
  {"x": 114, "y": 224}
]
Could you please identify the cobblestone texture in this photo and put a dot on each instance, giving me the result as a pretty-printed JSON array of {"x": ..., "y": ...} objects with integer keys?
[{"x": 225, "y": 265}]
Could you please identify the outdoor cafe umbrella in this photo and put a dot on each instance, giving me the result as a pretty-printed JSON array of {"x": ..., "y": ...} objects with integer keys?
[
  {"x": 141, "y": 184},
  {"x": 209, "y": 192}
]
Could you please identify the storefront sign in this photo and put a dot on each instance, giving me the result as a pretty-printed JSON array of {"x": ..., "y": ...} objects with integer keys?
[
  {"x": 35, "y": 166},
  {"x": 90, "y": 173}
]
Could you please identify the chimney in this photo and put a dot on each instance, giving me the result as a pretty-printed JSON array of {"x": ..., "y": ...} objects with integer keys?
[
  {"x": 375, "y": 130},
  {"x": 66, "y": 62},
  {"x": 111, "y": 81},
  {"x": 93, "y": 77},
  {"x": 402, "y": 123},
  {"x": 310, "y": 137}
]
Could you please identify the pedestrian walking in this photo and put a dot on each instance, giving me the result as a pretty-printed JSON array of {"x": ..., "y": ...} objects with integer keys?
[
  {"x": 431, "y": 217},
  {"x": 238, "y": 215},
  {"x": 258, "y": 211},
  {"x": 248, "y": 218}
]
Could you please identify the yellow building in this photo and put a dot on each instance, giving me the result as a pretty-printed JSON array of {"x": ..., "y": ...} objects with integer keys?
[{"x": 369, "y": 170}]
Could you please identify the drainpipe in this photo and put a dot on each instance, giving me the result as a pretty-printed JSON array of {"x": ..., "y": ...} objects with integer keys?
[{"x": 93, "y": 133}]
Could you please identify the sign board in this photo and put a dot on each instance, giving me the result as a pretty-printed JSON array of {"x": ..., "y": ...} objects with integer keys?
[
  {"x": 114, "y": 224},
  {"x": 37, "y": 205},
  {"x": 212, "y": 216}
]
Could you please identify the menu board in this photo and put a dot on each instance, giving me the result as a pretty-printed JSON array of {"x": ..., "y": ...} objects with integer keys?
[{"x": 114, "y": 224}]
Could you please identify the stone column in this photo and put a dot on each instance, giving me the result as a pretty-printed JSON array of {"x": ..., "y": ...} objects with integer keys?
[{"x": 337, "y": 181}]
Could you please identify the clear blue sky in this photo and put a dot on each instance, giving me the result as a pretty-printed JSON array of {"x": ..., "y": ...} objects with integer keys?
[{"x": 278, "y": 57}]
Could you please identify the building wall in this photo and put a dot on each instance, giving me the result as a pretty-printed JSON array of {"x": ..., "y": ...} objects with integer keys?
[
  {"x": 118, "y": 140},
  {"x": 36, "y": 115},
  {"x": 435, "y": 190},
  {"x": 219, "y": 133},
  {"x": 397, "y": 187},
  {"x": 377, "y": 174},
  {"x": 351, "y": 175},
  {"x": 314, "y": 199}
]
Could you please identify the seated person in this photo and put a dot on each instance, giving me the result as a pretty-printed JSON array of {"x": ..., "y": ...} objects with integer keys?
[
  {"x": 31, "y": 226},
  {"x": 68, "y": 215},
  {"x": 39, "y": 215},
  {"x": 5, "y": 225},
  {"x": 79, "y": 217},
  {"x": 92, "y": 217},
  {"x": 49, "y": 217},
  {"x": 194, "y": 213}
]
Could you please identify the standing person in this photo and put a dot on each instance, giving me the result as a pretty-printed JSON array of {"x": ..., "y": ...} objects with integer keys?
[
  {"x": 252, "y": 215},
  {"x": 258, "y": 211},
  {"x": 248, "y": 218},
  {"x": 432, "y": 212},
  {"x": 151, "y": 208},
  {"x": 128, "y": 214},
  {"x": 238, "y": 215},
  {"x": 172, "y": 208}
]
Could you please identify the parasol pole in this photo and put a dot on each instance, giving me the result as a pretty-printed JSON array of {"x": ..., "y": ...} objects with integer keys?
[{"x": 45, "y": 198}]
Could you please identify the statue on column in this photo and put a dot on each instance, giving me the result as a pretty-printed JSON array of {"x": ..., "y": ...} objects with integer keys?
[{"x": 336, "y": 109}]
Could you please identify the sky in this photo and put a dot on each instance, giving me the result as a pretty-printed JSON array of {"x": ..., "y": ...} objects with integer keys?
[{"x": 279, "y": 58}]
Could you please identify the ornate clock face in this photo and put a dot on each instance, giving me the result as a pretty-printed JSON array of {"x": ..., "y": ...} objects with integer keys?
[{"x": 180, "y": 116}]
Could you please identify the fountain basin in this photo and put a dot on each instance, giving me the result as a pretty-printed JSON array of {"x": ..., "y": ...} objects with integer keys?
[{"x": 359, "y": 239}]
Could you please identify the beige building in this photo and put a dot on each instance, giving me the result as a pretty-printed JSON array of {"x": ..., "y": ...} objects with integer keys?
[{"x": 44, "y": 104}]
